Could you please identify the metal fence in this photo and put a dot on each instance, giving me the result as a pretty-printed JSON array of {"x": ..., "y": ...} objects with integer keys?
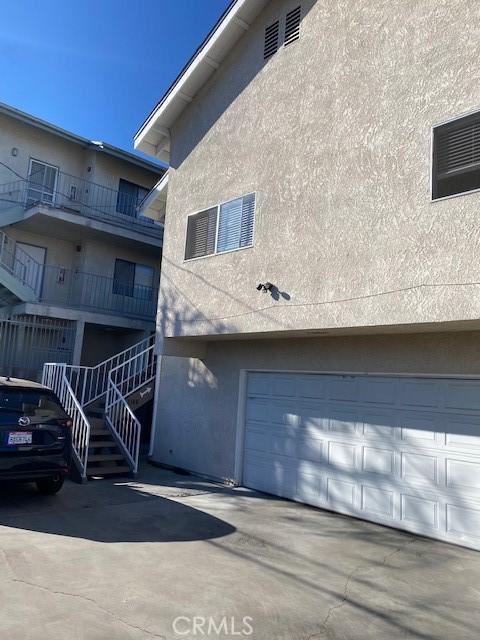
[
  {"x": 26, "y": 342},
  {"x": 79, "y": 196}
]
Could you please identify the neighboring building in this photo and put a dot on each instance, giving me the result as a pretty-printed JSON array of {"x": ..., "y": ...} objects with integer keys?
[
  {"x": 299, "y": 139},
  {"x": 79, "y": 267}
]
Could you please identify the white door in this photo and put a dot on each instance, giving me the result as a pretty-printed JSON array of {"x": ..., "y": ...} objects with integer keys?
[
  {"x": 29, "y": 265},
  {"x": 402, "y": 451}
]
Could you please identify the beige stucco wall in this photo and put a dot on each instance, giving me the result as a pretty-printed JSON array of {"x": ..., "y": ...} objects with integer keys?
[
  {"x": 94, "y": 257},
  {"x": 333, "y": 133},
  {"x": 40, "y": 145},
  {"x": 71, "y": 158},
  {"x": 100, "y": 343},
  {"x": 198, "y": 399}
]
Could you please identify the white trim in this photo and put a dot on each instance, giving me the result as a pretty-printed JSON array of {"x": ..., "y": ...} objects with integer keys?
[
  {"x": 467, "y": 114},
  {"x": 227, "y": 33},
  {"x": 241, "y": 425},
  {"x": 155, "y": 401},
  {"x": 241, "y": 23},
  {"x": 217, "y": 227},
  {"x": 471, "y": 112},
  {"x": 243, "y": 387},
  {"x": 213, "y": 63},
  {"x": 158, "y": 190},
  {"x": 220, "y": 253},
  {"x": 32, "y": 188},
  {"x": 452, "y": 195}
]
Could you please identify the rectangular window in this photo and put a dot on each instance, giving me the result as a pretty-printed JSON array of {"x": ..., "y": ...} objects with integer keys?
[
  {"x": 226, "y": 227},
  {"x": 42, "y": 181},
  {"x": 133, "y": 280},
  {"x": 129, "y": 196},
  {"x": 456, "y": 157}
]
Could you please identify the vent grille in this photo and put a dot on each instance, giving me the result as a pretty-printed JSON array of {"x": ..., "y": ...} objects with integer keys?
[
  {"x": 458, "y": 150},
  {"x": 271, "y": 40},
  {"x": 292, "y": 25}
]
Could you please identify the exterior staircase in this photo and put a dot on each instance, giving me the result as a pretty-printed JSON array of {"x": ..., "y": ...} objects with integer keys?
[
  {"x": 20, "y": 274},
  {"x": 105, "y": 458},
  {"x": 101, "y": 401}
]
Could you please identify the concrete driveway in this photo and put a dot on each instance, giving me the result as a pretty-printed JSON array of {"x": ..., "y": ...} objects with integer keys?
[{"x": 172, "y": 557}]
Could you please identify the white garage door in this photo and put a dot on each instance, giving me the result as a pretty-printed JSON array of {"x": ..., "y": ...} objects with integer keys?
[{"x": 403, "y": 451}]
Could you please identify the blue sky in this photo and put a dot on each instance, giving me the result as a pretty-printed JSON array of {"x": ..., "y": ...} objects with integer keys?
[{"x": 97, "y": 67}]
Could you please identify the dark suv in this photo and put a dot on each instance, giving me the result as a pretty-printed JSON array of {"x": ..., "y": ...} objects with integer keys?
[{"x": 35, "y": 435}]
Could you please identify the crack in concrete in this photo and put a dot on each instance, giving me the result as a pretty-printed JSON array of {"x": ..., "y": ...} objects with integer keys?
[
  {"x": 350, "y": 578},
  {"x": 76, "y": 595}
]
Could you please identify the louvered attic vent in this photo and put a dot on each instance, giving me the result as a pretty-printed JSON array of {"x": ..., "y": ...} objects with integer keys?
[
  {"x": 292, "y": 25},
  {"x": 456, "y": 157},
  {"x": 271, "y": 40}
]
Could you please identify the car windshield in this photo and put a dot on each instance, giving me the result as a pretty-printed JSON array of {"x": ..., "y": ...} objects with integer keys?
[{"x": 38, "y": 405}]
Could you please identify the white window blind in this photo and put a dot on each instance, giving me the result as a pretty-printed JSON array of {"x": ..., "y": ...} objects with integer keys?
[{"x": 235, "y": 227}]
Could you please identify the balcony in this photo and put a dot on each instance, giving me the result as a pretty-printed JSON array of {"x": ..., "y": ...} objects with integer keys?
[
  {"x": 77, "y": 196},
  {"x": 22, "y": 279}
]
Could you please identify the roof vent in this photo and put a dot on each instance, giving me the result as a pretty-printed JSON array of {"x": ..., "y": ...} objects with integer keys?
[
  {"x": 271, "y": 40},
  {"x": 292, "y": 25}
]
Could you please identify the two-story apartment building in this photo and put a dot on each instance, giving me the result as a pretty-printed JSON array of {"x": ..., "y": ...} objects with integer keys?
[
  {"x": 79, "y": 267},
  {"x": 319, "y": 308}
]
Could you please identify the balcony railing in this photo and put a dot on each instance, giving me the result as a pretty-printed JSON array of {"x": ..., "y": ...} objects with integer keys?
[
  {"x": 81, "y": 197},
  {"x": 75, "y": 288},
  {"x": 97, "y": 293}
]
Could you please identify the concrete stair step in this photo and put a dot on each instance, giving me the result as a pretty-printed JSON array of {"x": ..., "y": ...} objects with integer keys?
[
  {"x": 95, "y": 413},
  {"x": 96, "y": 444},
  {"x": 105, "y": 457},
  {"x": 103, "y": 470},
  {"x": 100, "y": 432},
  {"x": 97, "y": 422}
]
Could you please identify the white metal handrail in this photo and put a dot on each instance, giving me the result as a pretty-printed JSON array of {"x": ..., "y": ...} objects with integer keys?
[
  {"x": 91, "y": 383},
  {"x": 124, "y": 380},
  {"x": 54, "y": 377},
  {"x": 124, "y": 424}
]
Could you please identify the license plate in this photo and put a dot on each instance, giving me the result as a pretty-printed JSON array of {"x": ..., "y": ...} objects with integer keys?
[{"x": 19, "y": 437}]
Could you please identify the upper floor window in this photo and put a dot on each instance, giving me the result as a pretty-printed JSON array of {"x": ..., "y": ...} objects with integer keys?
[
  {"x": 133, "y": 280},
  {"x": 456, "y": 157},
  {"x": 42, "y": 182},
  {"x": 129, "y": 196},
  {"x": 226, "y": 227}
]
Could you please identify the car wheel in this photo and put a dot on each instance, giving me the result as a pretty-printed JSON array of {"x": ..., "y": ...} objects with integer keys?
[{"x": 50, "y": 486}]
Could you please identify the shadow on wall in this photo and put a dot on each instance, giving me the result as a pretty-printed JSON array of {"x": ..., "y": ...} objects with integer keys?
[
  {"x": 173, "y": 319},
  {"x": 237, "y": 78}
]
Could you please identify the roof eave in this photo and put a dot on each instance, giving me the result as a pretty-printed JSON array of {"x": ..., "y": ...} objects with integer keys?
[
  {"x": 154, "y": 204},
  {"x": 85, "y": 143},
  {"x": 153, "y": 137}
]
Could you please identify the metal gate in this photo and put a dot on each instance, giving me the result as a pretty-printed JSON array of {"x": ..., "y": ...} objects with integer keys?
[{"x": 26, "y": 342}]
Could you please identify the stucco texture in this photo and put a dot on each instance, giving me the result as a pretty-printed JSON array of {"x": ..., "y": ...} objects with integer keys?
[
  {"x": 333, "y": 133},
  {"x": 198, "y": 398}
]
